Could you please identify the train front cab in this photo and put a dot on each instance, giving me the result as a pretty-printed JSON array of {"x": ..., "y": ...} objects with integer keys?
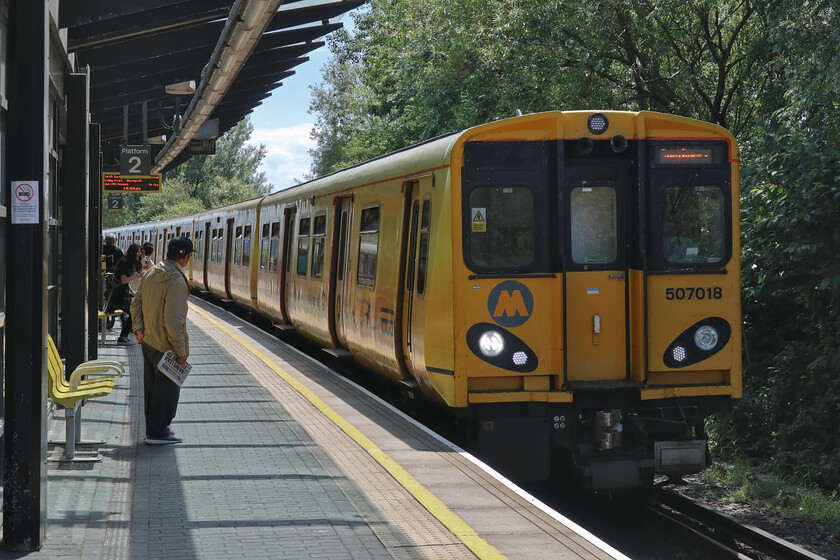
[{"x": 599, "y": 299}]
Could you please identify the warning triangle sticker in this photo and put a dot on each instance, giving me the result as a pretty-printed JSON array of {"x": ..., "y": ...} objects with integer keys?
[{"x": 478, "y": 217}]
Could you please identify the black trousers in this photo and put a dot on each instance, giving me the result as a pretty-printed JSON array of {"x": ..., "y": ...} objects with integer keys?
[{"x": 160, "y": 394}]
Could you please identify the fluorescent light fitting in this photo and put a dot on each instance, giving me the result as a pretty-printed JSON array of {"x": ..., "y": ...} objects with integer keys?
[{"x": 181, "y": 88}]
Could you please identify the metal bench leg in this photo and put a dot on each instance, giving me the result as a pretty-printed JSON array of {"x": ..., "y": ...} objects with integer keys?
[
  {"x": 70, "y": 433},
  {"x": 102, "y": 329},
  {"x": 72, "y": 429}
]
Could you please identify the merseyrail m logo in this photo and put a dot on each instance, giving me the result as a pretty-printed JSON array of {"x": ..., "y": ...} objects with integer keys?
[{"x": 510, "y": 303}]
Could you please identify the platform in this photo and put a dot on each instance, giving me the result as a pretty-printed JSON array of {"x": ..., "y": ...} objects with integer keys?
[{"x": 282, "y": 458}]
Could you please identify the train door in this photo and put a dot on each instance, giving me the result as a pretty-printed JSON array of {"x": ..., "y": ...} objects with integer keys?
[
  {"x": 228, "y": 255},
  {"x": 595, "y": 288},
  {"x": 205, "y": 254},
  {"x": 161, "y": 244},
  {"x": 286, "y": 285},
  {"x": 338, "y": 269},
  {"x": 414, "y": 262}
]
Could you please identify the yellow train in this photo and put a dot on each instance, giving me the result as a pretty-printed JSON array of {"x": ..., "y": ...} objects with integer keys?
[{"x": 566, "y": 281}]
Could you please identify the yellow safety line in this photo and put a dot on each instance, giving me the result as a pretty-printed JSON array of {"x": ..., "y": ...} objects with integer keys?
[{"x": 432, "y": 503}]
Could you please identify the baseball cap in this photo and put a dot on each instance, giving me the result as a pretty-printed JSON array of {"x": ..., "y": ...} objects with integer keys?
[{"x": 179, "y": 247}]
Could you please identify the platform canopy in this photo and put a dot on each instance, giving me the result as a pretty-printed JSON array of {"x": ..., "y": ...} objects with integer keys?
[{"x": 233, "y": 53}]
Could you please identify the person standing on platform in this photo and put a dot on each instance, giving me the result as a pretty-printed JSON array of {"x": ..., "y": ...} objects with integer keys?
[
  {"x": 160, "y": 323},
  {"x": 147, "y": 260},
  {"x": 126, "y": 271},
  {"x": 111, "y": 253}
]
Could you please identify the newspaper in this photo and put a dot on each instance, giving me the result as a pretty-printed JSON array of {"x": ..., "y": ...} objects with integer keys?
[{"x": 169, "y": 366}]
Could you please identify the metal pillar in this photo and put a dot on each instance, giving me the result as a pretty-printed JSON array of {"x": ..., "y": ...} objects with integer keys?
[
  {"x": 74, "y": 224},
  {"x": 94, "y": 240},
  {"x": 25, "y": 491}
]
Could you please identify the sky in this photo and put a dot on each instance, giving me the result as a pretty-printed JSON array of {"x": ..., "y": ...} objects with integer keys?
[{"x": 282, "y": 123}]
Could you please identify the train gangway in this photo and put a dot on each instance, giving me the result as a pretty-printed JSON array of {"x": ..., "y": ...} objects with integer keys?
[{"x": 282, "y": 458}]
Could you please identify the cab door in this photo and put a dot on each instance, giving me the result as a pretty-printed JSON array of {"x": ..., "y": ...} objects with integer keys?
[{"x": 595, "y": 288}]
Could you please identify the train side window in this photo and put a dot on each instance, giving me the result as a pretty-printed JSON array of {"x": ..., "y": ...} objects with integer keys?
[
  {"x": 237, "y": 247},
  {"x": 199, "y": 245},
  {"x": 422, "y": 263},
  {"x": 246, "y": 246},
  {"x": 303, "y": 246},
  {"x": 217, "y": 246},
  {"x": 275, "y": 247},
  {"x": 694, "y": 224},
  {"x": 594, "y": 221},
  {"x": 264, "y": 244},
  {"x": 412, "y": 244},
  {"x": 501, "y": 227},
  {"x": 368, "y": 246},
  {"x": 319, "y": 232}
]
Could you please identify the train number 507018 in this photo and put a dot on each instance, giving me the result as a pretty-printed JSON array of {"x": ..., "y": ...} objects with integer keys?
[{"x": 693, "y": 293}]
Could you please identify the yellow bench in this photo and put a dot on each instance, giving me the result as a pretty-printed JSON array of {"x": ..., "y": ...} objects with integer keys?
[
  {"x": 103, "y": 318},
  {"x": 71, "y": 394}
]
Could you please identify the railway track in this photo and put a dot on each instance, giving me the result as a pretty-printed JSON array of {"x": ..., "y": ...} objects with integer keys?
[{"x": 724, "y": 534}]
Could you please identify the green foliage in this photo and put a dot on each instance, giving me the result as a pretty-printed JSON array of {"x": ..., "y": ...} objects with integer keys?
[
  {"x": 415, "y": 69},
  {"x": 791, "y": 279},
  {"x": 744, "y": 482},
  {"x": 203, "y": 182}
]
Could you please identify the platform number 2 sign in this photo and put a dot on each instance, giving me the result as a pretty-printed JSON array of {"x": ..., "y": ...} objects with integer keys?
[
  {"x": 135, "y": 161},
  {"x": 115, "y": 202}
]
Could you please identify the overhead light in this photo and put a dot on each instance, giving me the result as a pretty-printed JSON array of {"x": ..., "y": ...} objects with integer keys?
[
  {"x": 157, "y": 139},
  {"x": 181, "y": 88}
]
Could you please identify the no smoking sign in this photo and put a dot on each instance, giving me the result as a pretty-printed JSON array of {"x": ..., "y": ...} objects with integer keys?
[{"x": 25, "y": 202}]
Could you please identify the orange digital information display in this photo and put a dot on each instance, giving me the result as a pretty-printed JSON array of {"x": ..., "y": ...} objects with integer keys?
[
  {"x": 114, "y": 182},
  {"x": 684, "y": 155}
]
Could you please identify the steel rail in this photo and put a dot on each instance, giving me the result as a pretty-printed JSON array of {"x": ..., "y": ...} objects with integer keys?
[{"x": 722, "y": 523}]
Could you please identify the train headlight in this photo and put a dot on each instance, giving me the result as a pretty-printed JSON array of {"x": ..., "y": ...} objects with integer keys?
[
  {"x": 700, "y": 341},
  {"x": 501, "y": 348},
  {"x": 706, "y": 338},
  {"x": 491, "y": 343}
]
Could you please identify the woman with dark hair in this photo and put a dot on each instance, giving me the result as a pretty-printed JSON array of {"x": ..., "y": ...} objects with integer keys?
[{"x": 127, "y": 269}]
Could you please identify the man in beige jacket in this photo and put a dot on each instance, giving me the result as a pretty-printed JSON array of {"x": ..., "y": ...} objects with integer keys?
[{"x": 159, "y": 313}]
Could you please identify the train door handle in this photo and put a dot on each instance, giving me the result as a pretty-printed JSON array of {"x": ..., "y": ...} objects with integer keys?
[{"x": 596, "y": 330}]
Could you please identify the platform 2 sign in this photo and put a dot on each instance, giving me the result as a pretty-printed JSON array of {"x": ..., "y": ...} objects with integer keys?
[
  {"x": 136, "y": 160},
  {"x": 114, "y": 182},
  {"x": 115, "y": 201}
]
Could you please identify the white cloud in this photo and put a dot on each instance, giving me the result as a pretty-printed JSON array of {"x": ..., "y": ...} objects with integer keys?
[{"x": 286, "y": 153}]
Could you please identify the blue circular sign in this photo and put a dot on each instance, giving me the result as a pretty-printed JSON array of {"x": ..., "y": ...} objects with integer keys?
[{"x": 510, "y": 303}]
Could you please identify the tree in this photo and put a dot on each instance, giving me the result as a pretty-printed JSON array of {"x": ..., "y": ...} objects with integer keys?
[
  {"x": 791, "y": 275},
  {"x": 415, "y": 69}
]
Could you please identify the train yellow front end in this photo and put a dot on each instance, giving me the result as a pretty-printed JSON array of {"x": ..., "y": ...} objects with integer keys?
[{"x": 596, "y": 297}]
